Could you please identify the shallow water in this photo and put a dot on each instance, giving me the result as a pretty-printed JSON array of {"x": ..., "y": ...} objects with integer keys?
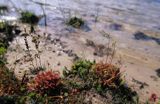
[{"x": 143, "y": 13}]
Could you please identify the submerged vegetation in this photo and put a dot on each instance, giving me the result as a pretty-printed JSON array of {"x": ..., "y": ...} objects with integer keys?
[
  {"x": 75, "y": 22},
  {"x": 29, "y": 17},
  {"x": 3, "y": 9}
]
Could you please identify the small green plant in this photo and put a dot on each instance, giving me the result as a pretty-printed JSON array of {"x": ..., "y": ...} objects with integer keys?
[
  {"x": 3, "y": 49},
  {"x": 81, "y": 75},
  {"x": 29, "y": 17},
  {"x": 82, "y": 68},
  {"x": 75, "y": 22},
  {"x": 2, "y": 26}
]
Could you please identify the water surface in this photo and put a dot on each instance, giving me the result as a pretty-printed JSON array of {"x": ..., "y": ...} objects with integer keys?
[{"x": 144, "y": 13}]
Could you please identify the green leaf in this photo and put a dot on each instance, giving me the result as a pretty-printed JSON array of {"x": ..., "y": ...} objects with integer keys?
[{"x": 2, "y": 50}]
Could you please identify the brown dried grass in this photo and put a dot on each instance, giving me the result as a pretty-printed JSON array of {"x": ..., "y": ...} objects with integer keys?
[{"x": 109, "y": 74}]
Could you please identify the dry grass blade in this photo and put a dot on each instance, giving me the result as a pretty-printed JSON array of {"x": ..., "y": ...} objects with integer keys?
[{"x": 108, "y": 73}]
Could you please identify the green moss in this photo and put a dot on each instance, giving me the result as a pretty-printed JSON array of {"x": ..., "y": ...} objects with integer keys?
[
  {"x": 29, "y": 17},
  {"x": 75, "y": 22}
]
